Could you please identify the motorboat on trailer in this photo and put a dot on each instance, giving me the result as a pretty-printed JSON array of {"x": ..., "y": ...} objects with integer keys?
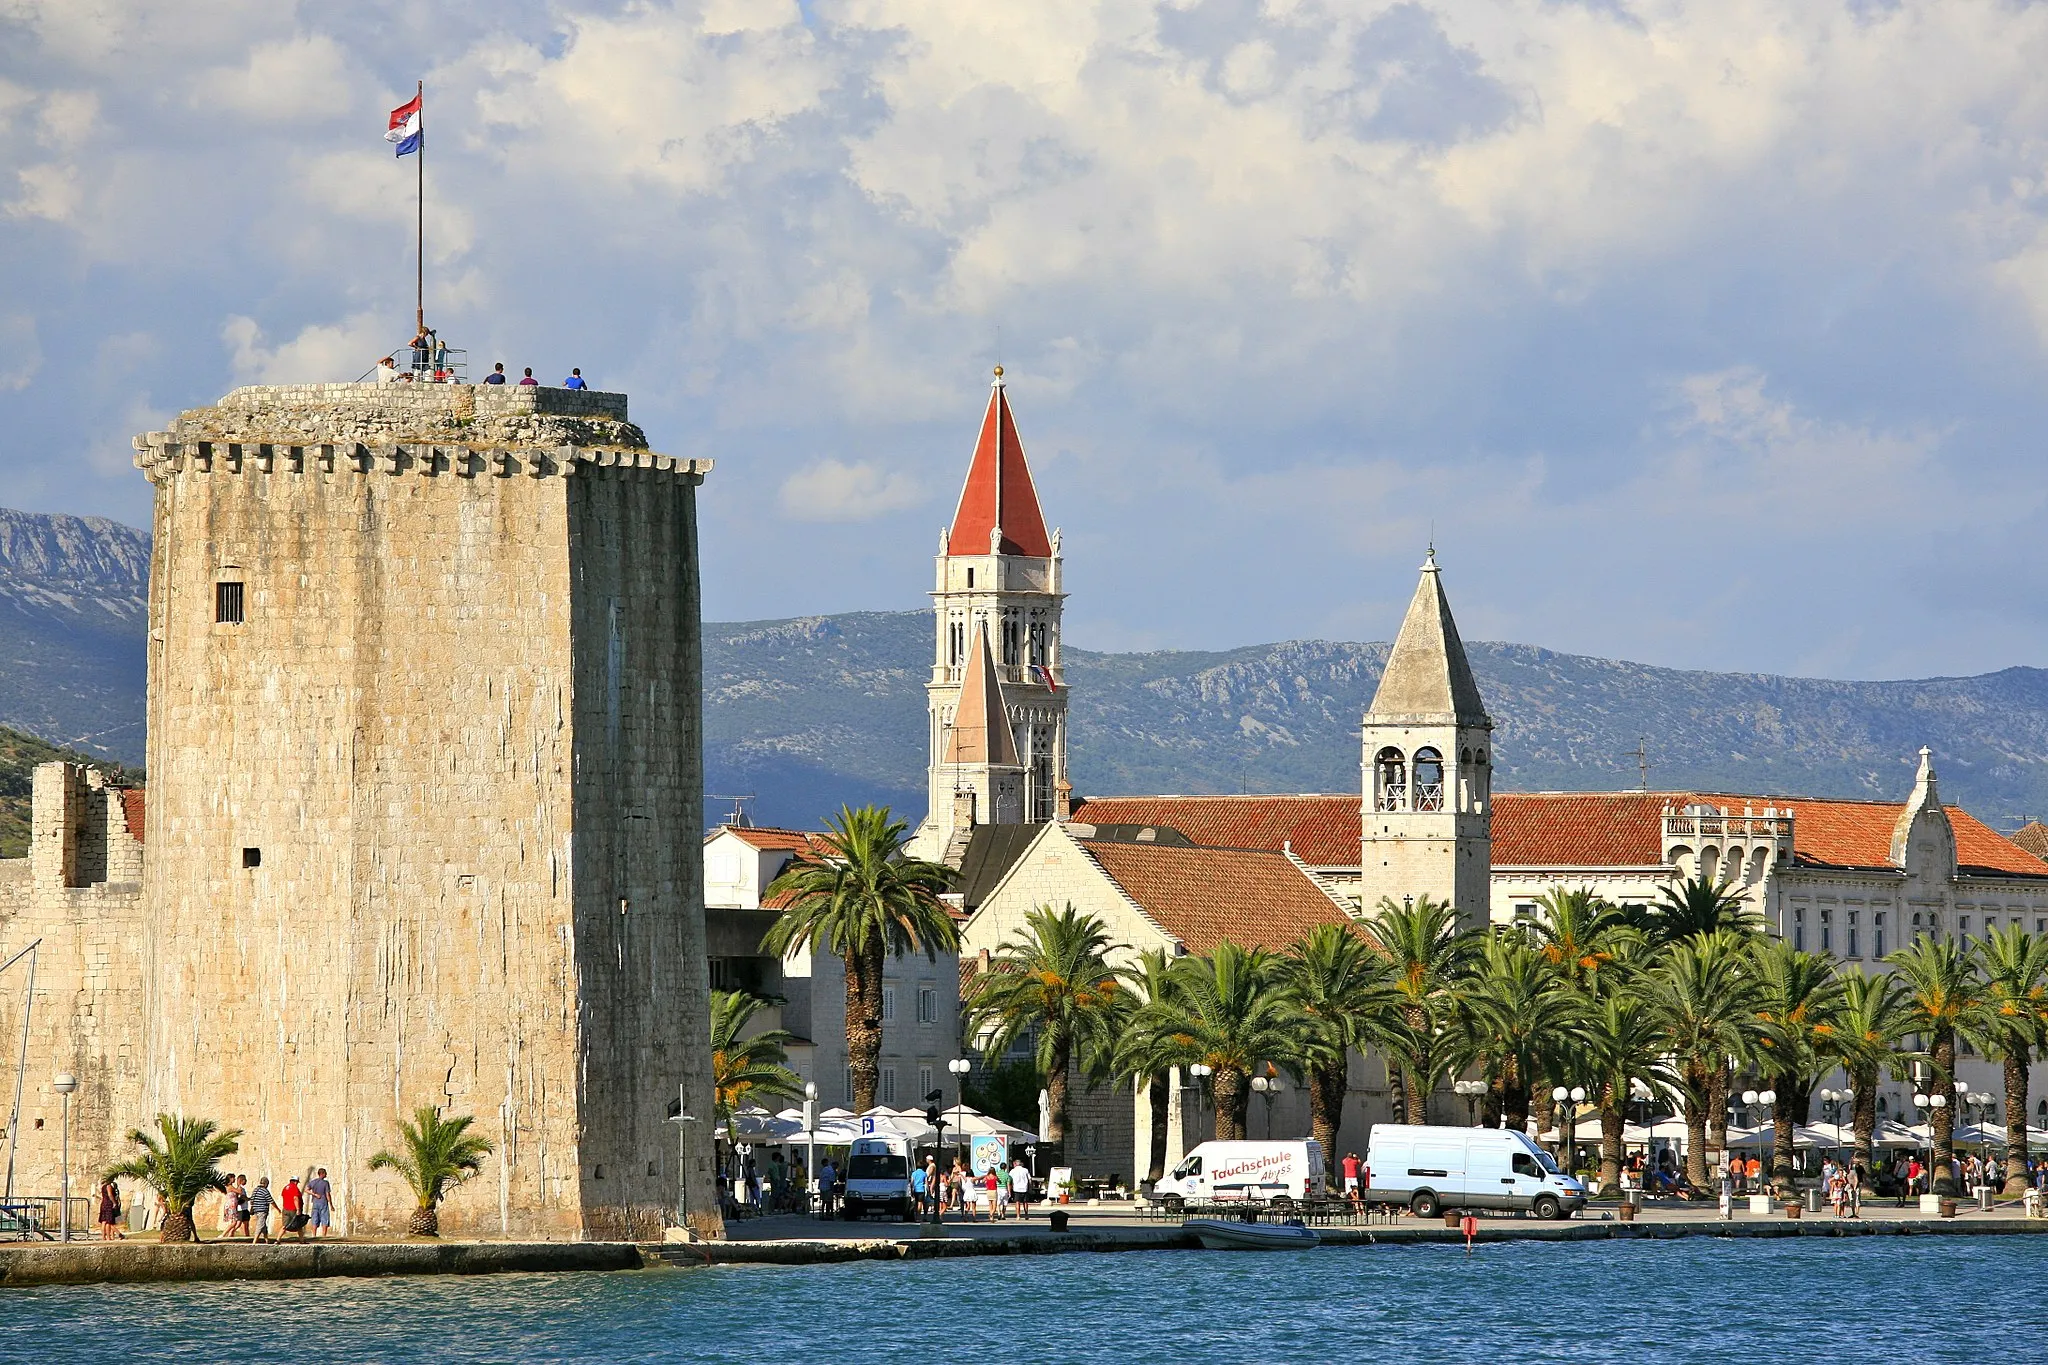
[{"x": 1223, "y": 1234}]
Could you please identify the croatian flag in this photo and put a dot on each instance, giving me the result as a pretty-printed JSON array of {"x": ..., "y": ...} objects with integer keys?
[
  {"x": 1045, "y": 675},
  {"x": 405, "y": 126}
]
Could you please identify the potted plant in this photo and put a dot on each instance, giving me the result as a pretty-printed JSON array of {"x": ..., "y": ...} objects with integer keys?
[
  {"x": 185, "y": 1165},
  {"x": 438, "y": 1155}
]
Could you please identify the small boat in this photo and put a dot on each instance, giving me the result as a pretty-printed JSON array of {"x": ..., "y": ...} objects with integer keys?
[{"x": 1221, "y": 1234}]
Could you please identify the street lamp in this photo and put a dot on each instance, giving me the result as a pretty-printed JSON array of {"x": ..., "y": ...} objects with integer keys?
[
  {"x": 1471, "y": 1090},
  {"x": 1569, "y": 1128},
  {"x": 1269, "y": 1087},
  {"x": 810, "y": 1136},
  {"x": 64, "y": 1084},
  {"x": 679, "y": 1118},
  {"x": 1201, "y": 1071}
]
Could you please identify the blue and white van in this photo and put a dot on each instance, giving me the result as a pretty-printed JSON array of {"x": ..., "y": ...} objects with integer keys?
[{"x": 1430, "y": 1169}]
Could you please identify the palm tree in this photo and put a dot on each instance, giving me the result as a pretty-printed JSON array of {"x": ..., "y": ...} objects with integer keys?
[
  {"x": 1624, "y": 1044},
  {"x": 747, "y": 1067},
  {"x": 2009, "y": 1023},
  {"x": 1703, "y": 1003},
  {"x": 183, "y": 1166},
  {"x": 1229, "y": 1011},
  {"x": 1578, "y": 933},
  {"x": 1513, "y": 1018},
  {"x": 438, "y": 1155},
  {"x": 1698, "y": 906},
  {"x": 1052, "y": 983},
  {"x": 1943, "y": 992},
  {"x": 1428, "y": 955},
  {"x": 1798, "y": 1005},
  {"x": 1344, "y": 989},
  {"x": 1138, "y": 1058},
  {"x": 865, "y": 901},
  {"x": 1875, "y": 1018}
]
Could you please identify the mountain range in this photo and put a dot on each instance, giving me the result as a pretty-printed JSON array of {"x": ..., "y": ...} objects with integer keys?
[{"x": 807, "y": 713}]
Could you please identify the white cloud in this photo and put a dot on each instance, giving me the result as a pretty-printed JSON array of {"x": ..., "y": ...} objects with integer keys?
[
  {"x": 831, "y": 490},
  {"x": 299, "y": 78},
  {"x": 47, "y": 191},
  {"x": 324, "y": 353}
]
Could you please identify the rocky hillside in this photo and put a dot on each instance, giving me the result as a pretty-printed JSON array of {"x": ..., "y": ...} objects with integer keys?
[
  {"x": 73, "y": 613},
  {"x": 805, "y": 714}
]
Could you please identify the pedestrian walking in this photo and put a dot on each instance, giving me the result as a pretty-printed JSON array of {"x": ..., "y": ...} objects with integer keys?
[
  {"x": 291, "y": 1201},
  {"x": 1020, "y": 1188},
  {"x": 1351, "y": 1165},
  {"x": 320, "y": 1201},
  {"x": 261, "y": 1201},
  {"x": 992, "y": 1187},
  {"x": 243, "y": 1207}
]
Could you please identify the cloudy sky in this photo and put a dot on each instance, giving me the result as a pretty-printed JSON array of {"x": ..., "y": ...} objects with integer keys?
[{"x": 1706, "y": 334}]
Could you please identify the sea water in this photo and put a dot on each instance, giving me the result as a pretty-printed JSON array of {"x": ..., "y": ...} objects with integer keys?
[{"x": 1926, "y": 1298}]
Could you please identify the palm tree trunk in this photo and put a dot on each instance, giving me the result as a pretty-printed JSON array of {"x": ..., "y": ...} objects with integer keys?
[
  {"x": 1612, "y": 1117},
  {"x": 2017, "y": 1055},
  {"x": 1233, "y": 1097},
  {"x": 1863, "y": 1114},
  {"x": 1161, "y": 1092},
  {"x": 1783, "y": 1114},
  {"x": 864, "y": 1026},
  {"x": 1699, "y": 1091},
  {"x": 1326, "y": 1086},
  {"x": 1945, "y": 1117},
  {"x": 1514, "y": 1100},
  {"x": 1413, "y": 1100},
  {"x": 1059, "y": 1053},
  {"x": 177, "y": 1227}
]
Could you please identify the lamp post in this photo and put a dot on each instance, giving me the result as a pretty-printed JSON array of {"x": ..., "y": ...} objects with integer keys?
[
  {"x": 1927, "y": 1103},
  {"x": 1981, "y": 1102},
  {"x": 679, "y": 1118},
  {"x": 1268, "y": 1088},
  {"x": 1201, "y": 1071},
  {"x": 1568, "y": 1127},
  {"x": 810, "y": 1136},
  {"x": 1471, "y": 1090},
  {"x": 64, "y": 1084}
]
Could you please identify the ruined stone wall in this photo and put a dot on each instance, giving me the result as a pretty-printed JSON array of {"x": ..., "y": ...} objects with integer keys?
[
  {"x": 78, "y": 893},
  {"x": 379, "y": 858}
]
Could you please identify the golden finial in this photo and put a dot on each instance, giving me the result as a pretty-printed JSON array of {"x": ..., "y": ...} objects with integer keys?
[{"x": 999, "y": 372}]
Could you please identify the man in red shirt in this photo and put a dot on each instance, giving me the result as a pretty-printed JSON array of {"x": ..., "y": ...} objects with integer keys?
[
  {"x": 291, "y": 1199},
  {"x": 1351, "y": 1190}
]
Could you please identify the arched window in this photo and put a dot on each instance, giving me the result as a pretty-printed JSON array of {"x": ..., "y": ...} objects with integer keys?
[
  {"x": 1391, "y": 773},
  {"x": 1429, "y": 780}
]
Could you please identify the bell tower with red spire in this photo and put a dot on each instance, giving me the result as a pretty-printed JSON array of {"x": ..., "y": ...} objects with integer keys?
[{"x": 997, "y": 640}]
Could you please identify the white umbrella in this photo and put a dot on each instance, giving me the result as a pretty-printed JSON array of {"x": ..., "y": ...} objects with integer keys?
[
  {"x": 881, "y": 1120},
  {"x": 1977, "y": 1134}
]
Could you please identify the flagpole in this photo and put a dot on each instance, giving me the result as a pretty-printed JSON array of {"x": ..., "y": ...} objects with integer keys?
[{"x": 419, "y": 273}]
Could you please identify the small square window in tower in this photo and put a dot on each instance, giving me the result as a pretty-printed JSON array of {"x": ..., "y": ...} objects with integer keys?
[
  {"x": 252, "y": 857},
  {"x": 227, "y": 603}
]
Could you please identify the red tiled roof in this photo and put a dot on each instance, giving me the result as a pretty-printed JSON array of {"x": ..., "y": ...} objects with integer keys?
[
  {"x": 1254, "y": 898},
  {"x": 1580, "y": 829},
  {"x": 1323, "y": 830},
  {"x": 766, "y": 838},
  {"x": 2033, "y": 837},
  {"x": 132, "y": 810},
  {"x": 999, "y": 488},
  {"x": 1561, "y": 829}
]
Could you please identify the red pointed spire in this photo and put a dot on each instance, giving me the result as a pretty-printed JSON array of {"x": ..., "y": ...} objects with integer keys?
[{"x": 999, "y": 490}]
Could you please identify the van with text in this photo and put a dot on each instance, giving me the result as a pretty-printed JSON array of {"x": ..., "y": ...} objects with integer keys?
[
  {"x": 1256, "y": 1172},
  {"x": 1428, "y": 1169}
]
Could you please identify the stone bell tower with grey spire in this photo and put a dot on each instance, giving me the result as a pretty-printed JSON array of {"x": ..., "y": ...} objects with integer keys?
[
  {"x": 1427, "y": 806},
  {"x": 997, "y": 696}
]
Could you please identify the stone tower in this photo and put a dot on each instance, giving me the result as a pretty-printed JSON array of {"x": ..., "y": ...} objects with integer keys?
[
  {"x": 996, "y": 647},
  {"x": 424, "y": 814},
  {"x": 1428, "y": 797}
]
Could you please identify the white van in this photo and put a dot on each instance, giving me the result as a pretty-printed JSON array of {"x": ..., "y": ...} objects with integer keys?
[
  {"x": 878, "y": 1176},
  {"x": 1261, "y": 1172},
  {"x": 1430, "y": 1169}
]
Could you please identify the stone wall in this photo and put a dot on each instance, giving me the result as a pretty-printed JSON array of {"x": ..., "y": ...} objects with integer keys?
[
  {"x": 79, "y": 893},
  {"x": 413, "y": 820}
]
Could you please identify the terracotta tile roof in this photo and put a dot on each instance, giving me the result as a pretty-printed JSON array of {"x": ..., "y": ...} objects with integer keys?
[
  {"x": 2033, "y": 837},
  {"x": 999, "y": 491},
  {"x": 1580, "y": 829},
  {"x": 1859, "y": 834},
  {"x": 1323, "y": 830},
  {"x": 1201, "y": 896},
  {"x": 767, "y": 838},
  {"x": 132, "y": 810}
]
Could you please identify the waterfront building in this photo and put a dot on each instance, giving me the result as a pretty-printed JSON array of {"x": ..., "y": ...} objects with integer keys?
[{"x": 425, "y": 758}]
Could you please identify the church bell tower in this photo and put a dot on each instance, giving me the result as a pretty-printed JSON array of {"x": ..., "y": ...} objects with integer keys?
[
  {"x": 996, "y": 673},
  {"x": 1428, "y": 794}
]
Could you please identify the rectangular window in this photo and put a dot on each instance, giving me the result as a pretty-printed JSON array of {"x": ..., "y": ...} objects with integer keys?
[
  {"x": 1852, "y": 935},
  {"x": 1799, "y": 930},
  {"x": 924, "y": 1081},
  {"x": 888, "y": 1095},
  {"x": 1827, "y": 931},
  {"x": 888, "y": 1004},
  {"x": 927, "y": 1006},
  {"x": 227, "y": 603},
  {"x": 252, "y": 857},
  {"x": 1877, "y": 934},
  {"x": 848, "y": 1093},
  {"x": 1963, "y": 926}
]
